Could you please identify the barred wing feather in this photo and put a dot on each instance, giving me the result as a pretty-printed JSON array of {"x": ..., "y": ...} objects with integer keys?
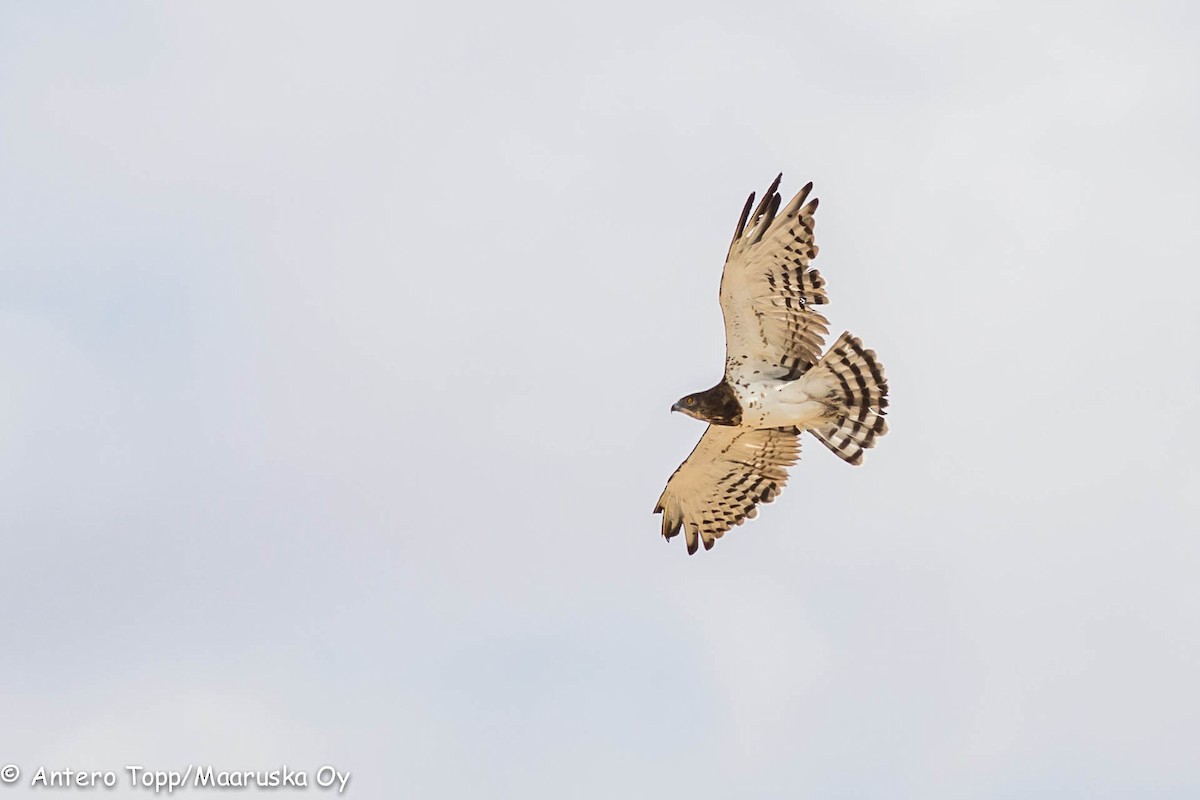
[
  {"x": 730, "y": 471},
  {"x": 768, "y": 290}
]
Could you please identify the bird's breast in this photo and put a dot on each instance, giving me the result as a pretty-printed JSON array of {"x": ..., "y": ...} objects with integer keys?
[{"x": 776, "y": 404}]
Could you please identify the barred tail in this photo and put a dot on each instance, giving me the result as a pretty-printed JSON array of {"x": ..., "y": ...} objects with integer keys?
[{"x": 862, "y": 392}]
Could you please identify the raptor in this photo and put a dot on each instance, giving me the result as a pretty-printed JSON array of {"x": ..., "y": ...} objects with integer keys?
[{"x": 778, "y": 383}]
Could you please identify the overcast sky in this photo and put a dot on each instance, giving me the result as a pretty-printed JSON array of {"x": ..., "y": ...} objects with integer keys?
[{"x": 337, "y": 343}]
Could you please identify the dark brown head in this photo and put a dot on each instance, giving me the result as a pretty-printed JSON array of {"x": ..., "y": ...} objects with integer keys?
[{"x": 717, "y": 406}]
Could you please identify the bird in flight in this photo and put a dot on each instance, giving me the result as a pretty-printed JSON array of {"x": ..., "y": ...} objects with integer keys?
[{"x": 777, "y": 382}]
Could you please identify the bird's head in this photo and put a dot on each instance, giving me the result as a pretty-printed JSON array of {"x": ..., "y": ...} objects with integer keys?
[
  {"x": 716, "y": 406},
  {"x": 690, "y": 405}
]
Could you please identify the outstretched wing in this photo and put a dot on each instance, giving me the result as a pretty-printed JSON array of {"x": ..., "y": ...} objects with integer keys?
[
  {"x": 730, "y": 471},
  {"x": 768, "y": 291}
]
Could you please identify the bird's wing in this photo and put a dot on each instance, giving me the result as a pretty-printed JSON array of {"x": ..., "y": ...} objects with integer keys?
[
  {"x": 768, "y": 290},
  {"x": 728, "y": 473}
]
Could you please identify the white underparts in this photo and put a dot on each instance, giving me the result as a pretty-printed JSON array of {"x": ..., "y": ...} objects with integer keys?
[{"x": 804, "y": 403}]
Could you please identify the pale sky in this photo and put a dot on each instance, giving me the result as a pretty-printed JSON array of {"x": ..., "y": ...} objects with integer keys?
[{"x": 337, "y": 343}]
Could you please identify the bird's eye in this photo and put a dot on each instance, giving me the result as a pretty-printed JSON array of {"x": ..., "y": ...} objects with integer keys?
[{"x": 691, "y": 401}]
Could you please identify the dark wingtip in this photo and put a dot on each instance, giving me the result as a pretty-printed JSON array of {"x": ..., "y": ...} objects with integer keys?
[
  {"x": 693, "y": 546},
  {"x": 741, "y": 226},
  {"x": 670, "y": 528},
  {"x": 708, "y": 543}
]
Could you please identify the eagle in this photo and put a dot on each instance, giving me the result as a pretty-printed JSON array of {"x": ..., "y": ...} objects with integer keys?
[{"x": 778, "y": 383}]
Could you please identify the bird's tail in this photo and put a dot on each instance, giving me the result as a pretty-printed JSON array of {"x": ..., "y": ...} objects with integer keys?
[{"x": 858, "y": 392}]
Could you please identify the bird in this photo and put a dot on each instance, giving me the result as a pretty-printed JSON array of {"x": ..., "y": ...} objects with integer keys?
[{"x": 778, "y": 382}]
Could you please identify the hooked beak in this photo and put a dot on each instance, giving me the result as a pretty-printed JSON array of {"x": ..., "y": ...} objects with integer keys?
[{"x": 676, "y": 407}]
